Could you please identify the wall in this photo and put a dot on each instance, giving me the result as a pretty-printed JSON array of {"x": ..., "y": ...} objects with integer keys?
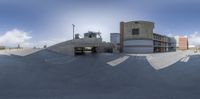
[
  {"x": 138, "y": 46},
  {"x": 183, "y": 43},
  {"x": 145, "y": 30},
  {"x": 115, "y": 38},
  {"x": 140, "y": 41}
]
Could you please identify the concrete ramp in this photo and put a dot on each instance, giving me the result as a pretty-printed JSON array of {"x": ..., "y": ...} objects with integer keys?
[
  {"x": 20, "y": 52},
  {"x": 68, "y": 47}
]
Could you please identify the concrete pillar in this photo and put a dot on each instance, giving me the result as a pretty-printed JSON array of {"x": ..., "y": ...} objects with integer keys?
[{"x": 121, "y": 36}]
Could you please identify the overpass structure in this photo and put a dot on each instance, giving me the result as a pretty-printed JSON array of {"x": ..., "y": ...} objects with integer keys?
[{"x": 76, "y": 46}]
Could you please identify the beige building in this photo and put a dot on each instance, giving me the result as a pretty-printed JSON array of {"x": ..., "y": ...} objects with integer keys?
[
  {"x": 138, "y": 30},
  {"x": 136, "y": 36},
  {"x": 139, "y": 37}
]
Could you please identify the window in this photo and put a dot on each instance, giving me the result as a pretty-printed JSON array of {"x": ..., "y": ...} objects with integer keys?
[
  {"x": 135, "y": 31},
  {"x": 90, "y": 36}
]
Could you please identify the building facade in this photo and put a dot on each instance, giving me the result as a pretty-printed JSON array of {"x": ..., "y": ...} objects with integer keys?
[
  {"x": 2, "y": 47},
  {"x": 181, "y": 42},
  {"x": 138, "y": 37},
  {"x": 115, "y": 38},
  {"x": 163, "y": 43}
]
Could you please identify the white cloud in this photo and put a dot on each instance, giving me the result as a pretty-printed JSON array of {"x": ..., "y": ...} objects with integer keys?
[
  {"x": 170, "y": 35},
  {"x": 194, "y": 38},
  {"x": 14, "y": 37}
]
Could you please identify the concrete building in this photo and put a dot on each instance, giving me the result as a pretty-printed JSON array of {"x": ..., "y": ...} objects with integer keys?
[
  {"x": 77, "y": 36},
  {"x": 91, "y": 34},
  {"x": 2, "y": 47},
  {"x": 163, "y": 43},
  {"x": 115, "y": 38},
  {"x": 181, "y": 42},
  {"x": 172, "y": 44},
  {"x": 138, "y": 37},
  {"x": 92, "y": 42}
]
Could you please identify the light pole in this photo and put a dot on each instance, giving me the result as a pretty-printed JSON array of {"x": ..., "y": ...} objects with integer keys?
[{"x": 73, "y": 30}]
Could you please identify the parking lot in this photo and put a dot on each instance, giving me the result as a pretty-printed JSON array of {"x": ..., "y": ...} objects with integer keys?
[{"x": 47, "y": 75}]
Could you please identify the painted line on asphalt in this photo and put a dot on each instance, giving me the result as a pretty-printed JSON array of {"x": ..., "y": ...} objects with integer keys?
[
  {"x": 182, "y": 59},
  {"x": 118, "y": 61},
  {"x": 185, "y": 59}
]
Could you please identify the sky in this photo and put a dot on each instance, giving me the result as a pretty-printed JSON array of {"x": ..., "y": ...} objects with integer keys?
[{"x": 46, "y": 22}]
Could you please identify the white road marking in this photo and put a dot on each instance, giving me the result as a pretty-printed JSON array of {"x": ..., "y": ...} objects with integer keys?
[
  {"x": 185, "y": 59},
  {"x": 118, "y": 61},
  {"x": 182, "y": 59}
]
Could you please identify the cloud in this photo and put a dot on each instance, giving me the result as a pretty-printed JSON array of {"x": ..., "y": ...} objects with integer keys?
[
  {"x": 194, "y": 38},
  {"x": 14, "y": 37},
  {"x": 170, "y": 35}
]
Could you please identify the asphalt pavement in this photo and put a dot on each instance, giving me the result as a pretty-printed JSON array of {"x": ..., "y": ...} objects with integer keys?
[{"x": 48, "y": 75}]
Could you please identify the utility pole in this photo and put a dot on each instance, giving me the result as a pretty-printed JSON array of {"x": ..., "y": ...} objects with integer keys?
[{"x": 73, "y": 30}]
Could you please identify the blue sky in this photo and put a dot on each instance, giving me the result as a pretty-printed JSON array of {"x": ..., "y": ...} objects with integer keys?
[{"x": 39, "y": 22}]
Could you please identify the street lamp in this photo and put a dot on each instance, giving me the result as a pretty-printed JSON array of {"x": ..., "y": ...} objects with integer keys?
[{"x": 73, "y": 30}]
